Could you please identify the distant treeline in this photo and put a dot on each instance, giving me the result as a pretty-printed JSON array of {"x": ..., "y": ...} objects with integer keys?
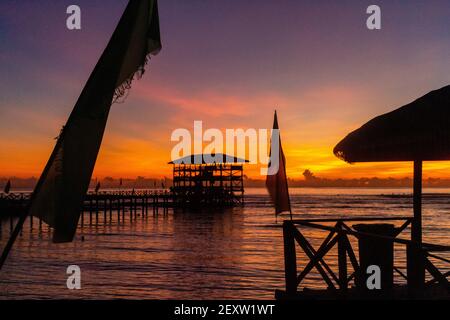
[{"x": 309, "y": 181}]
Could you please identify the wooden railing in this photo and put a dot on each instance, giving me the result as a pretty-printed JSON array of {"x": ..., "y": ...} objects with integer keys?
[
  {"x": 14, "y": 204},
  {"x": 339, "y": 234}
]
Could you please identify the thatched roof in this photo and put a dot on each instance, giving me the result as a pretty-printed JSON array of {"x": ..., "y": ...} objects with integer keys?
[
  {"x": 419, "y": 130},
  {"x": 220, "y": 158}
]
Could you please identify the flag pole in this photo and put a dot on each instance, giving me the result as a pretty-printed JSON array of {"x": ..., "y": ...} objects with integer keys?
[
  {"x": 13, "y": 238},
  {"x": 289, "y": 197},
  {"x": 287, "y": 187}
]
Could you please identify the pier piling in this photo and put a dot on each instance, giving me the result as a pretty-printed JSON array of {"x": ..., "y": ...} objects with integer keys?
[{"x": 96, "y": 204}]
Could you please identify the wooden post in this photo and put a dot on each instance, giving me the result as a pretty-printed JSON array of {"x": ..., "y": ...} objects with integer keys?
[
  {"x": 416, "y": 231},
  {"x": 118, "y": 210},
  {"x": 90, "y": 210},
  {"x": 136, "y": 207},
  {"x": 96, "y": 209},
  {"x": 130, "y": 204},
  {"x": 164, "y": 202},
  {"x": 242, "y": 185},
  {"x": 416, "y": 268},
  {"x": 290, "y": 258},
  {"x": 146, "y": 204},
  {"x": 342, "y": 259},
  {"x": 122, "y": 204},
  {"x": 22, "y": 202},
  {"x": 104, "y": 210},
  {"x": 110, "y": 208}
]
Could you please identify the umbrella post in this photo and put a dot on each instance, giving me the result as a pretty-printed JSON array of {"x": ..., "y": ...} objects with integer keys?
[
  {"x": 416, "y": 268},
  {"x": 416, "y": 232}
]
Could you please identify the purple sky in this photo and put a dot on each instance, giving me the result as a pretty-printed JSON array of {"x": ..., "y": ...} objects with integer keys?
[{"x": 228, "y": 63}]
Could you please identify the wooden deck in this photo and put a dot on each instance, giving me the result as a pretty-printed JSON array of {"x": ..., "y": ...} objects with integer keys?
[{"x": 349, "y": 280}]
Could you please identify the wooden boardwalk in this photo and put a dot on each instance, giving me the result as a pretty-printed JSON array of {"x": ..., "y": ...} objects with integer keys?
[{"x": 98, "y": 206}]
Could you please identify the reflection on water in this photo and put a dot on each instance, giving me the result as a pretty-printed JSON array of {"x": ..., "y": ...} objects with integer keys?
[{"x": 194, "y": 255}]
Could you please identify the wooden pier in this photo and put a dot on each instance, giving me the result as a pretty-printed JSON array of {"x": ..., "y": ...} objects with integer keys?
[
  {"x": 125, "y": 204},
  {"x": 97, "y": 206}
]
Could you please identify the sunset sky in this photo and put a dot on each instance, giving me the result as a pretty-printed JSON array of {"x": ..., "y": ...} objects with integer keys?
[{"x": 227, "y": 63}]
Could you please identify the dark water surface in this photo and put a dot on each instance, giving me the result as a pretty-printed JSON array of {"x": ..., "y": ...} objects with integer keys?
[{"x": 232, "y": 254}]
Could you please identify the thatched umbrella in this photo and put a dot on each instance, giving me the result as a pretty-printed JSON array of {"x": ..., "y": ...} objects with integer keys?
[{"x": 418, "y": 131}]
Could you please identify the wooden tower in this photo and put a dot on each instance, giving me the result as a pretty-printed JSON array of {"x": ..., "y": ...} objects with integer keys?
[{"x": 199, "y": 182}]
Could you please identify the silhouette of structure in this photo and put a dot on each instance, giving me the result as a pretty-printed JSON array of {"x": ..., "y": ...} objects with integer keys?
[
  {"x": 111, "y": 205},
  {"x": 417, "y": 132},
  {"x": 58, "y": 195},
  {"x": 199, "y": 182}
]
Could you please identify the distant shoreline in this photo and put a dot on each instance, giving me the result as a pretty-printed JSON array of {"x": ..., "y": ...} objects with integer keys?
[
  {"x": 91, "y": 188},
  {"x": 310, "y": 181}
]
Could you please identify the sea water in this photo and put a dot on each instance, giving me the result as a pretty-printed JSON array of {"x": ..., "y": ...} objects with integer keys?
[{"x": 213, "y": 254}]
